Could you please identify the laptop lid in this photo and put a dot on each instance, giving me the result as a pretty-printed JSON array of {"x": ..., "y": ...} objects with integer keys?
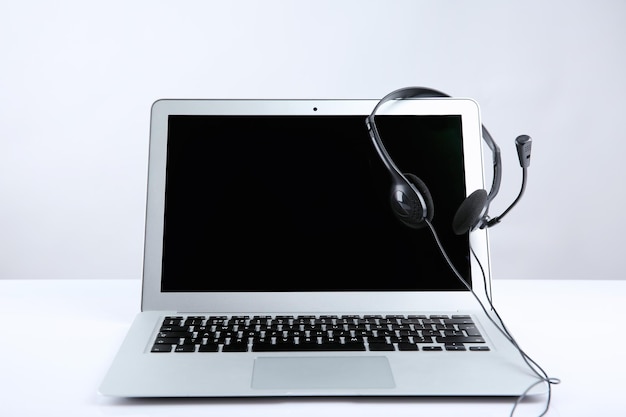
[{"x": 283, "y": 206}]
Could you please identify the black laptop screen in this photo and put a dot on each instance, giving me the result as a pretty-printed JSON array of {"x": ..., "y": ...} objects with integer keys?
[{"x": 301, "y": 203}]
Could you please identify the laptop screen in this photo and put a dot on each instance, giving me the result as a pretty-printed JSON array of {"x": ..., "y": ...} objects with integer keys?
[{"x": 302, "y": 203}]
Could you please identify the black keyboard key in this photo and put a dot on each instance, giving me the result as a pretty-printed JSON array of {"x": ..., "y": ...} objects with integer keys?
[
  {"x": 167, "y": 341},
  {"x": 479, "y": 348},
  {"x": 432, "y": 348},
  {"x": 404, "y": 346},
  {"x": 455, "y": 346},
  {"x": 185, "y": 348},
  {"x": 172, "y": 328},
  {"x": 381, "y": 346},
  {"x": 209, "y": 347},
  {"x": 173, "y": 334},
  {"x": 172, "y": 320},
  {"x": 161, "y": 348},
  {"x": 460, "y": 339}
]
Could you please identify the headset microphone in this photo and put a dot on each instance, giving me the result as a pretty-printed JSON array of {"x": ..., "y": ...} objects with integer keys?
[{"x": 523, "y": 144}]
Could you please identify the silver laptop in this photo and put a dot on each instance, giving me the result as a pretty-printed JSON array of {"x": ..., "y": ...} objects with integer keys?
[{"x": 274, "y": 265}]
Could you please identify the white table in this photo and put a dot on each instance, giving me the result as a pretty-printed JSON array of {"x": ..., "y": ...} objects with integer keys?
[{"x": 59, "y": 337}]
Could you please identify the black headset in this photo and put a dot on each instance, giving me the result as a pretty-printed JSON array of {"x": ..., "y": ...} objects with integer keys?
[
  {"x": 411, "y": 200},
  {"x": 412, "y": 204}
]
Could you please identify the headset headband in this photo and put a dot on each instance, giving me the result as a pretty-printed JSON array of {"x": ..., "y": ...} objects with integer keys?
[{"x": 423, "y": 92}]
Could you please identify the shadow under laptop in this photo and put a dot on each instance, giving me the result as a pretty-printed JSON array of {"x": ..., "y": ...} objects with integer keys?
[{"x": 320, "y": 406}]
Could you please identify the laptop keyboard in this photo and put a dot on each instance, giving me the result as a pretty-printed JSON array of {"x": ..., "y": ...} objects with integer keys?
[{"x": 318, "y": 333}]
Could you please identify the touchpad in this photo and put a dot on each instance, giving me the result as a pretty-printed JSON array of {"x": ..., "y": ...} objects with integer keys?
[{"x": 322, "y": 372}]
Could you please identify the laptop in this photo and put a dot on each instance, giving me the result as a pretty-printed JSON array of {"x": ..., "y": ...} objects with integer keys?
[{"x": 274, "y": 265}]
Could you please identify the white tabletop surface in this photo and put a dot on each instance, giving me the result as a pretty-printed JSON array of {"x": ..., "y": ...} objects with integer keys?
[{"x": 59, "y": 337}]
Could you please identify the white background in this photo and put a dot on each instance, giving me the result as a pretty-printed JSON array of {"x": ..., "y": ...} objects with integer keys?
[{"x": 77, "y": 79}]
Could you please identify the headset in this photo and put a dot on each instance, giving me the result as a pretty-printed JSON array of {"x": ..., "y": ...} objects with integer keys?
[
  {"x": 411, "y": 201},
  {"x": 412, "y": 204}
]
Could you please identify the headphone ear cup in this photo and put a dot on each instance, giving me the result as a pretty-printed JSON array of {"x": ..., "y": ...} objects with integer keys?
[
  {"x": 417, "y": 222},
  {"x": 469, "y": 213}
]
